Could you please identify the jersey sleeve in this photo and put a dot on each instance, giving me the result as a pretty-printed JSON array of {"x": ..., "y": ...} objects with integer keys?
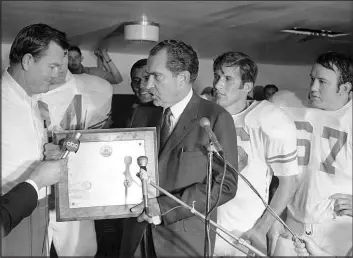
[{"x": 280, "y": 140}]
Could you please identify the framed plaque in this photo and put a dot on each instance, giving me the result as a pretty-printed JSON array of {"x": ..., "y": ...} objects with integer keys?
[{"x": 101, "y": 180}]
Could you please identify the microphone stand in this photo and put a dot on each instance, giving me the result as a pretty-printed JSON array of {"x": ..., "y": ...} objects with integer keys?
[
  {"x": 203, "y": 218},
  {"x": 207, "y": 246}
]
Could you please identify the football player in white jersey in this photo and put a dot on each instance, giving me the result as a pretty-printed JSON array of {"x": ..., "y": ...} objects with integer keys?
[
  {"x": 322, "y": 206},
  {"x": 266, "y": 147}
]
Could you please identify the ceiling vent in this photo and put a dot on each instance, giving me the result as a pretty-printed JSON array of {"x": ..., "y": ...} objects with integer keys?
[{"x": 141, "y": 30}]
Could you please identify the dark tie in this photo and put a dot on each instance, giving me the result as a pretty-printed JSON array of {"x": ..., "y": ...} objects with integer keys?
[{"x": 166, "y": 127}]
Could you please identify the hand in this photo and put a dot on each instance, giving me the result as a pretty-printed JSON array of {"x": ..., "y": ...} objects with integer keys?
[
  {"x": 256, "y": 237},
  {"x": 98, "y": 53},
  {"x": 52, "y": 151},
  {"x": 48, "y": 172},
  {"x": 343, "y": 204},
  {"x": 309, "y": 247},
  {"x": 154, "y": 212},
  {"x": 275, "y": 231},
  {"x": 102, "y": 54}
]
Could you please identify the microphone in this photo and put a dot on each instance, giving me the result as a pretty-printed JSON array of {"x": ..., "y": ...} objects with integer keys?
[
  {"x": 142, "y": 162},
  {"x": 71, "y": 145},
  {"x": 205, "y": 123}
]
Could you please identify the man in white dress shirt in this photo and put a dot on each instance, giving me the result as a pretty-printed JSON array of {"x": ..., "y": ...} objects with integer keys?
[{"x": 36, "y": 55}]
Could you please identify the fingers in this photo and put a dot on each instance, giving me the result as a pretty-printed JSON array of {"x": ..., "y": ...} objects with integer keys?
[
  {"x": 156, "y": 220},
  {"x": 340, "y": 196},
  {"x": 301, "y": 252},
  {"x": 299, "y": 244},
  {"x": 342, "y": 206},
  {"x": 347, "y": 212},
  {"x": 144, "y": 217},
  {"x": 52, "y": 152}
]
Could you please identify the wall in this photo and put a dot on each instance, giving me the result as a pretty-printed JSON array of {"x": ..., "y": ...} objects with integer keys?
[{"x": 293, "y": 78}]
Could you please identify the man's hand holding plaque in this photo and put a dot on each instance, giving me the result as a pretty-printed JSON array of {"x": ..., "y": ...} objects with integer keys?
[{"x": 154, "y": 212}]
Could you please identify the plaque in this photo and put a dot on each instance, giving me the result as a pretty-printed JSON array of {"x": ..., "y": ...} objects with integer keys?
[{"x": 101, "y": 180}]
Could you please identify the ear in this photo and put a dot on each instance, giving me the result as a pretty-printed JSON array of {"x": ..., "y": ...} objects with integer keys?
[
  {"x": 27, "y": 61},
  {"x": 184, "y": 77},
  {"x": 345, "y": 87},
  {"x": 81, "y": 58},
  {"x": 248, "y": 86}
]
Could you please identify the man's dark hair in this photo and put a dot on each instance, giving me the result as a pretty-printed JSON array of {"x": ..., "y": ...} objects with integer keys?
[
  {"x": 270, "y": 86},
  {"x": 180, "y": 57},
  {"x": 138, "y": 65},
  {"x": 343, "y": 63},
  {"x": 75, "y": 48},
  {"x": 247, "y": 66},
  {"x": 35, "y": 39}
]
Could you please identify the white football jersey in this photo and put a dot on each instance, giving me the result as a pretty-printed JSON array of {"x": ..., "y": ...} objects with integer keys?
[
  {"x": 325, "y": 157},
  {"x": 266, "y": 146}
]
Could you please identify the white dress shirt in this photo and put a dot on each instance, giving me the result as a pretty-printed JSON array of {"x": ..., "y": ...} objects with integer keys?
[
  {"x": 178, "y": 108},
  {"x": 22, "y": 132}
]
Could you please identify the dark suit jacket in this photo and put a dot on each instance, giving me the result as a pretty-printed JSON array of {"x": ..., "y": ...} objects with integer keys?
[
  {"x": 134, "y": 110},
  {"x": 182, "y": 166},
  {"x": 15, "y": 205}
]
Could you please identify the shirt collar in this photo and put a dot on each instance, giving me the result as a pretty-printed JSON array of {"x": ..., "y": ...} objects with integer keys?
[
  {"x": 16, "y": 87},
  {"x": 178, "y": 108}
]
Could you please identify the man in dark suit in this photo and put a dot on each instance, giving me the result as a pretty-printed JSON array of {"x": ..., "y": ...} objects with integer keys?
[
  {"x": 182, "y": 160},
  {"x": 21, "y": 200}
]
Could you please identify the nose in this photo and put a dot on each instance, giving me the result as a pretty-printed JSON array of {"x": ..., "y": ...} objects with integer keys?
[
  {"x": 315, "y": 85},
  {"x": 55, "y": 73},
  {"x": 219, "y": 84},
  {"x": 150, "y": 83}
]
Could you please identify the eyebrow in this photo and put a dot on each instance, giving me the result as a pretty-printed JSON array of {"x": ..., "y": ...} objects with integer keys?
[
  {"x": 154, "y": 73},
  {"x": 56, "y": 64},
  {"x": 318, "y": 77}
]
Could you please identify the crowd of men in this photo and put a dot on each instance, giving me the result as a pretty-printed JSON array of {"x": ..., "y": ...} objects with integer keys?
[{"x": 308, "y": 147}]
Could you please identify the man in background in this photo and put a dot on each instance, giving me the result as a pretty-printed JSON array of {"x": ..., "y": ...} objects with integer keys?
[
  {"x": 139, "y": 87},
  {"x": 106, "y": 68},
  {"x": 172, "y": 68},
  {"x": 139, "y": 83},
  {"x": 37, "y": 53},
  {"x": 321, "y": 207},
  {"x": 269, "y": 90},
  {"x": 266, "y": 147}
]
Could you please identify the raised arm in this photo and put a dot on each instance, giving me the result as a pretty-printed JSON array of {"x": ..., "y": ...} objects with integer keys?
[{"x": 110, "y": 72}]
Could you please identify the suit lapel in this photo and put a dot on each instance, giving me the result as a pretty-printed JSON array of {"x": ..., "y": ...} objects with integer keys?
[{"x": 187, "y": 121}]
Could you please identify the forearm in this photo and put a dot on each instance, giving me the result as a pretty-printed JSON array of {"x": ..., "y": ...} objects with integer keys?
[
  {"x": 284, "y": 193},
  {"x": 112, "y": 69}
]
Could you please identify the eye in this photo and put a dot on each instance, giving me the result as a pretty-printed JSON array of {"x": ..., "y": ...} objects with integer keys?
[
  {"x": 159, "y": 77},
  {"x": 136, "y": 80},
  {"x": 228, "y": 78},
  {"x": 215, "y": 77}
]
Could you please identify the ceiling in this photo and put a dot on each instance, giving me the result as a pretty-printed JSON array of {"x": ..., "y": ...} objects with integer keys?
[{"x": 211, "y": 27}]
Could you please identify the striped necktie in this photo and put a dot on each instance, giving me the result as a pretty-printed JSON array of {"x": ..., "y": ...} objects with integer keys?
[{"x": 166, "y": 127}]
